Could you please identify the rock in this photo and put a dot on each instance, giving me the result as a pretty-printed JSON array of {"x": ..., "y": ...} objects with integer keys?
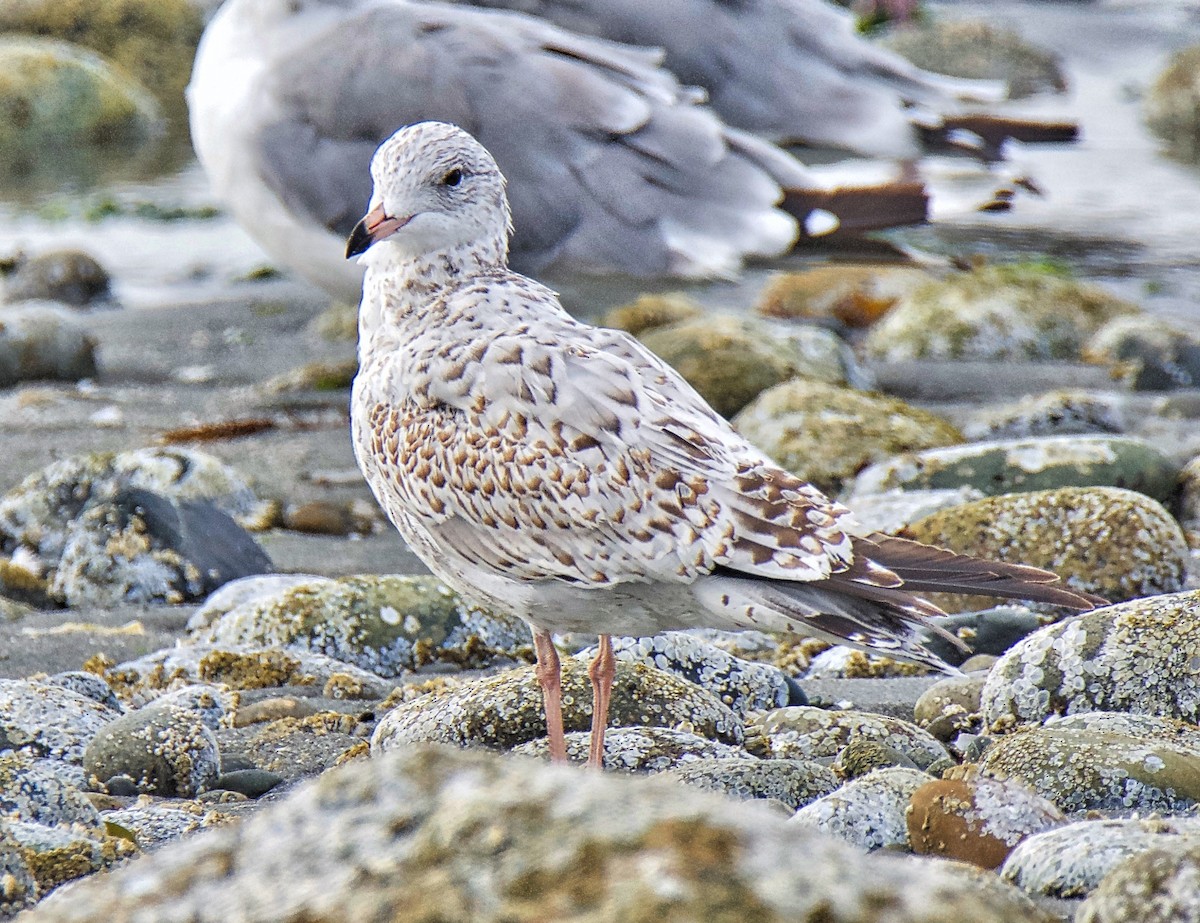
[
  {"x": 979, "y": 49},
  {"x": 69, "y": 277},
  {"x": 868, "y": 812},
  {"x": 383, "y": 624},
  {"x": 321, "y": 375},
  {"x": 854, "y": 295},
  {"x": 157, "y": 823},
  {"x": 892, "y": 510},
  {"x": 1172, "y": 104},
  {"x": 743, "y": 685},
  {"x": 55, "y": 95},
  {"x": 296, "y": 747},
  {"x": 19, "y": 890},
  {"x": 1056, "y": 413},
  {"x": 242, "y": 668},
  {"x": 55, "y": 855},
  {"x": 460, "y": 836},
  {"x": 862, "y": 756},
  {"x": 502, "y": 711},
  {"x": 38, "y": 719},
  {"x": 826, "y": 434},
  {"x": 1024, "y": 465},
  {"x": 88, "y": 684},
  {"x": 995, "y": 313},
  {"x": 140, "y": 547},
  {"x": 153, "y": 40},
  {"x": 976, "y": 819},
  {"x": 639, "y": 749},
  {"x": 731, "y": 359},
  {"x": 1147, "y": 354},
  {"x": 43, "y": 341},
  {"x": 1086, "y": 770},
  {"x": 213, "y": 705},
  {"x": 1188, "y": 501},
  {"x": 844, "y": 662},
  {"x": 253, "y": 783},
  {"x": 37, "y": 515},
  {"x": 1115, "y": 543},
  {"x": 32, "y": 791},
  {"x": 1160, "y": 885},
  {"x": 649, "y": 311},
  {"x": 793, "y": 782},
  {"x": 328, "y": 517},
  {"x": 946, "y": 708},
  {"x": 165, "y": 749},
  {"x": 989, "y": 632},
  {"x": 1070, "y": 861},
  {"x": 1137, "y": 657},
  {"x": 807, "y": 732}
]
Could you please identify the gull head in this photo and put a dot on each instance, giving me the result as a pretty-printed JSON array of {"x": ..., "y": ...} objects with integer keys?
[{"x": 437, "y": 191}]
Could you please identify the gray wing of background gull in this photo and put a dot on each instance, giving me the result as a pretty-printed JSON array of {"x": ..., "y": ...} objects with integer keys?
[
  {"x": 611, "y": 164},
  {"x": 793, "y": 71}
]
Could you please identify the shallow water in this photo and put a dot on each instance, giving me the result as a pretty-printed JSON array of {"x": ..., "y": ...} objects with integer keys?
[{"x": 1115, "y": 208}]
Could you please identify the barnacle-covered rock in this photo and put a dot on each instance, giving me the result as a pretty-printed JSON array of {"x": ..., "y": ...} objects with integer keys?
[
  {"x": 1118, "y": 544},
  {"x": 1159, "y": 885},
  {"x": 868, "y": 811},
  {"x": 32, "y": 791},
  {"x": 826, "y": 434},
  {"x": 792, "y": 782},
  {"x": 155, "y": 823},
  {"x": 807, "y": 732},
  {"x": 57, "y": 854},
  {"x": 1139, "y": 657},
  {"x": 163, "y": 748},
  {"x": 502, "y": 711},
  {"x": 1056, "y": 413},
  {"x": 296, "y": 747},
  {"x": 40, "y": 719},
  {"x": 380, "y": 623},
  {"x": 641, "y": 749}
]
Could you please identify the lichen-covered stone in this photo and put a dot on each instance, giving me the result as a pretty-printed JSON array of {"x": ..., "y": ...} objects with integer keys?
[
  {"x": 1173, "y": 103},
  {"x": 807, "y": 732},
  {"x": 743, "y": 685},
  {"x": 32, "y": 792},
  {"x": 505, "y": 710},
  {"x": 1023, "y": 465},
  {"x": 892, "y": 510},
  {"x": 44, "y": 341},
  {"x": 1072, "y": 860},
  {"x": 649, "y": 311},
  {"x": 39, "y": 719},
  {"x": 981, "y": 50},
  {"x": 793, "y": 782},
  {"x": 1137, "y": 657},
  {"x": 826, "y": 434},
  {"x": 380, "y": 623},
  {"x": 1084, "y": 770},
  {"x": 139, "y": 547},
  {"x": 1147, "y": 353},
  {"x": 854, "y": 295},
  {"x": 995, "y": 313},
  {"x": 1160, "y": 885},
  {"x": 154, "y": 40},
  {"x": 640, "y": 749},
  {"x": 868, "y": 811},
  {"x": 67, "y": 276},
  {"x": 165, "y": 749},
  {"x": 36, "y": 516},
  {"x": 976, "y": 819},
  {"x": 1118, "y": 544},
  {"x": 57, "y": 854},
  {"x": 731, "y": 359},
  {"x": 55, "y": 94},
  {"x": 1056, "y": 413},
  {"x": 442, "y": 834}
]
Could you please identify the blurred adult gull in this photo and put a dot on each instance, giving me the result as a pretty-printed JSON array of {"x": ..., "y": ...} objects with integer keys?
[
  {"x": 565, "y": 474},
  {"x": 612, "y": 165}
]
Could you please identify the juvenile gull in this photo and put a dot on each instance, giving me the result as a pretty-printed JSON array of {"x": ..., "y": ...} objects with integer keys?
[
  {"x": 563, "y": 473},
  {"x": 612, "y": 165}
]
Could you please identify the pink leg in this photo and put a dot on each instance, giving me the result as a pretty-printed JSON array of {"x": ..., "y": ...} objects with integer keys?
[
  {"x": 601, "y": 672},
  {"x": 549, "y": 675}
]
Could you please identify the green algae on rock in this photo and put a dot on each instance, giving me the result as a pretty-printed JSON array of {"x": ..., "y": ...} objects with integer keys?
[
  {"x": 1072, "y": 860},
  {"x": 55, "y": 94},
  {"x": 826, "y": 434},
  {"x": 381, "y": 623},
  {"x": 731, "y": 359},
  {"x": 1159, "y": 885},
  {"x": 649, "y": 311},
  {"x": 808, "y": 732},
  {"x": 1115, "y": 543},
  {"x": 996, "y": 313},
  {"x": 435, "y": 833},
  {"x": 1096, "y": 770},
  {"x": 1006, "y": 466},
  {"x": 1139, "y": 657},
  {"x": 502, "y": 711},
  {"x": 793, "y": 782}
]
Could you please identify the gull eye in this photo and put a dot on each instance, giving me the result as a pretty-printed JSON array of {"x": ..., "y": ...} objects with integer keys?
[{"x": 453, "y": 177}]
